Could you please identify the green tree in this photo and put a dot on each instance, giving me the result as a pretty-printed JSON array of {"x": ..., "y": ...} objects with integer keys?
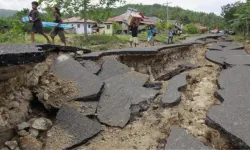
[
  {"x": 191, "y": 29},
  {"x": 229, "y": 10},
  {"x": 240, "y": 19},
  {"x": 116, "y": 27}
]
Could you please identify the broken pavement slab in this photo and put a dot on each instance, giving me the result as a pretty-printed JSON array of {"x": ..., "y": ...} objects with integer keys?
[
  {"x": 225, "y": 43},
  {"x": 179, "y": 139},
  {"x": 153, "y": 50},
  {"x": 238, "y": 60},
  {"x": 219, "y": 57},
  {"x": 215, "y": 47},
  {"x": 232, "y": 116},
  {"x": 234, "y": 47},
  {"x": 157, "y": 85},
  {"x": 89, "y": 85},
  {"x": 87, "y": 108},
  {"x": 111, "y": 67},
  {"x": 60, "y": 48},
  {"x": 91, "y": 66},
  {"x": 17, "y": 54},
  {"x": 172, "y": 95},
  {"x": 70, "y": 129},
  {"x": 120, "y": 92},
  {"x": 171, "y": 73}
]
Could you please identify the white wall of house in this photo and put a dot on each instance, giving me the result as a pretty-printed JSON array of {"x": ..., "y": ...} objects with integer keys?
[{"x": 78, "y": 28}]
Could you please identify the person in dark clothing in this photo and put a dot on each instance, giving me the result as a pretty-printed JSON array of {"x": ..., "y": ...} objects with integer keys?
[
  {"x": 170, "y": 36},
  {"x": 57, "y": 31},
  {"x": 37, "y": 26},
  {"x": 133, "y": 38}
]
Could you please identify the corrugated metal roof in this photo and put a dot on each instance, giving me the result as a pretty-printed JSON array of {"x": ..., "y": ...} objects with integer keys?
[
  {"x": 117, "y": 18},
  {"x": 152, "y": 19}
]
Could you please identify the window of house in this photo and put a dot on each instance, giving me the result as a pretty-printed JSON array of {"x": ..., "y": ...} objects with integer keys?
[
  {"x": 78, "y": 26},
  {"x": 89, "y": 26},
  {"x": 108, "y": 26}
]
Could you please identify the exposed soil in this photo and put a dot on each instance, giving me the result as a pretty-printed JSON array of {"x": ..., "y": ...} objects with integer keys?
[{"x": 151, "y": 130}]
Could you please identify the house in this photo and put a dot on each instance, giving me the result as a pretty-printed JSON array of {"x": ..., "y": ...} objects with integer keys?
[
  {"x": 108, "y": 28},
  {"x": 120, "y": 19},
  {"x": 78, "y": 25},
  {"x": 98, "y": 28}
]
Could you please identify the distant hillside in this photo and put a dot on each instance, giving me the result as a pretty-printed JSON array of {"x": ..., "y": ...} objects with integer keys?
[{"x": 7, "y": 13}]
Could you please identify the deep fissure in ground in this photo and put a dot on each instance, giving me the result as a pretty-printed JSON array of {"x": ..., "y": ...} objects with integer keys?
[{"x": 148, "y": 130}]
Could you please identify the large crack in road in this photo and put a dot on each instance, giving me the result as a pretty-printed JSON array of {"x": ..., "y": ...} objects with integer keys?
[
  {"x": 152, "y": 128},
  {"x": 154, "y": 101}
]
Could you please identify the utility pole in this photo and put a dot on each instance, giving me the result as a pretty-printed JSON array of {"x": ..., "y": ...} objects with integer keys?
[{"x": 167, "y": 8}]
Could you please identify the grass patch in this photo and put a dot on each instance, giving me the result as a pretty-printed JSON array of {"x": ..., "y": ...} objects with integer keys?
[
  {"x": 237, "y": 38},
  {"x": 98, "y": 40}
]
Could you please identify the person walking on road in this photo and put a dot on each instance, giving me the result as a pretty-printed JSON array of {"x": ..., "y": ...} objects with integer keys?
[
  {"x": 150, "y": 36},
  {"x": 134, "y": 35},
  {"x": 37, "y": 26},
  {"x": 57, "y": 30},
  {"x": 170, "y": 36}
]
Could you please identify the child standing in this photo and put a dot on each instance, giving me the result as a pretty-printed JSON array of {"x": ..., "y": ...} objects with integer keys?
[
  {"x": 57, "y": 31},
  {"x": 37, "y": 26}
]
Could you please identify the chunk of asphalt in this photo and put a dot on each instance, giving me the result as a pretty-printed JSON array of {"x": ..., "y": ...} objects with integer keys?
[
  {"x": 215, "y": 47},
  {"x": 60, "y": 48},
  {"x": 89, "y": 85},
  {"x": 91, "y": 66},
  {"x": 181, "y": 68},
  {"x": 87, "y": 108},
  {"x": 238, "y": 60},
  {"x": 234, "y": 47},
  {"x": 170, "y": 74},
  {"x": 120, "y": 92},
  {"x": 172, "y": 95},
  {"x": 219, "y": 57},
  {"x": 155, "y": 85},
  {"x": 71, "y": 128},
  {"x": 111, "y": 67},
  {"x": 224, "y": 43},
  {"x": 18, "y": 54},
  {"x": 232, "y": 116},
  {"x": 179, "y": 139}
]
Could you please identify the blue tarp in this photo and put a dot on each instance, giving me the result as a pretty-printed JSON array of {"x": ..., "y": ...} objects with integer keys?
[{"x": 52, "y": 24}]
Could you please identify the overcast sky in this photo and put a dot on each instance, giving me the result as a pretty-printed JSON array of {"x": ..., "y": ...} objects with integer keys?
[{"x": 196, "y": 5}]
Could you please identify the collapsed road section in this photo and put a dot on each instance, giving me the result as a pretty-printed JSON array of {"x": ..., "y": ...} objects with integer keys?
[{"x": 143, "y": 98}]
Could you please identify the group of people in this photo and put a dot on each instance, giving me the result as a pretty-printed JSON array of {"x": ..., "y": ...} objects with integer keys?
[
  {"x": 37, "y": 26},
  {"x": 151, "y": 34},
  {"x": 134, "y": 35}
]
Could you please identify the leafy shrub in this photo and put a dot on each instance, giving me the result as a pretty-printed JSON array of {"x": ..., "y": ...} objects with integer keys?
[
  {"x": 163, "y": 26},
  {"x": 116, "y": 27},
  {"x": 191, "y": 29}
]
